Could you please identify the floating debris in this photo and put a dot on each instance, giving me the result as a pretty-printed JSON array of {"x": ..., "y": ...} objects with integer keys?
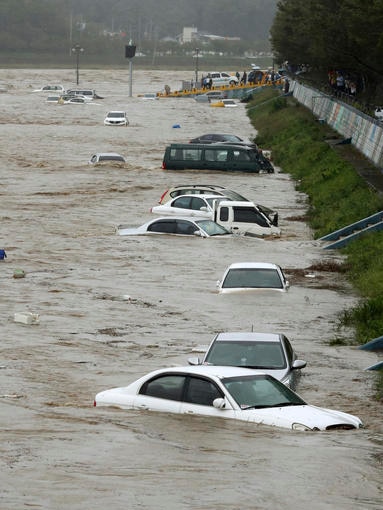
[{"x": 27, "y": 318}]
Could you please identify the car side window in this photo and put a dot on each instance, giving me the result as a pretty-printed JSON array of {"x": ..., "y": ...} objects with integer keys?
[
  {"x": 185, "y": 227},
  {"x": 169, "y": 387},
  {"x": 201, "y": 392},
  {"x": 249, "y": 215},
  {"x": 182, "y": 202},
  {"x": 196, "y": 203},
  {"x": 165, "y": 226},
  {"x": 211, "y": 155},
  {"x": 241, "y": 156},
  {"x": 223, "y": 155},
  {"x": 224, "y": 214}
]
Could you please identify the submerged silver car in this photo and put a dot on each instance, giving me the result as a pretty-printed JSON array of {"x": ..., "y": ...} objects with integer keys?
[
  {"x": 177, "y": 226},
  {"x": 270, "y": 353}
]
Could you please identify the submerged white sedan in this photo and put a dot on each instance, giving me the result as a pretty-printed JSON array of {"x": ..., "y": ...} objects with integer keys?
[
  {"x": 260, "y": 276},
  {"x": 178, "y": 226},
  {"x": 225, "y": 392}
]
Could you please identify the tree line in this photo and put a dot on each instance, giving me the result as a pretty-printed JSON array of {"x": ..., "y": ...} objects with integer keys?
[
  {"x": 344, "y": 35},
  {"x": 53, "y": 25}
]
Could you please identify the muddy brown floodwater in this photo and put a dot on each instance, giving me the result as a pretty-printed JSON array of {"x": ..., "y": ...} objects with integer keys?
[{"x": 113, "y": 308}]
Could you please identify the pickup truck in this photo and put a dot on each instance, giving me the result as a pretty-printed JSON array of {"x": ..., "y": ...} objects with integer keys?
[
  {"x": 243, "y": 218},
  {"x": 237, "y": 216}
]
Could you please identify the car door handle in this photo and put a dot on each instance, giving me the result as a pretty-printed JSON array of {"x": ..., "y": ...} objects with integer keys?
[
  {"x": 143, "y": 406},
  {"x": 189, "y": 411}
]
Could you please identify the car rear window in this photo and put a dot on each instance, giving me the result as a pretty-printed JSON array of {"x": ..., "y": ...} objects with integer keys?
[{"x": 252, "y": 278}]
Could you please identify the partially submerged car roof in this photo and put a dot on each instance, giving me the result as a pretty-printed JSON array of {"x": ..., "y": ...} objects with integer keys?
[
  {"x": 247, "y": 336},
  {"x": 253, "y": 265}
]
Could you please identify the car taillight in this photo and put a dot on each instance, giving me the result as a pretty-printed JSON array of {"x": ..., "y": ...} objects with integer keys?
[
  {"x": 163, "y": 194},
  {"x": 94, "y": 403},
  {"x": 163, "y": 165}
]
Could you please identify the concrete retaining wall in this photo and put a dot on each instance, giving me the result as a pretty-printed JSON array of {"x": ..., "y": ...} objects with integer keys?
[{"x": 365, "y": 132}]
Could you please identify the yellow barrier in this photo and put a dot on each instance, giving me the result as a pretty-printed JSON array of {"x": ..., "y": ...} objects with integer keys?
[{"x": 242, "y": 86}]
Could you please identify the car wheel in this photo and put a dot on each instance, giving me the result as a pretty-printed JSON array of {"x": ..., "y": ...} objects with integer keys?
[{"x": 232, "y": 82}]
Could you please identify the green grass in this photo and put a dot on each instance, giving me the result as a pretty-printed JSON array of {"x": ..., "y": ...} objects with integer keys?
[{"x": 337, "y": 196}]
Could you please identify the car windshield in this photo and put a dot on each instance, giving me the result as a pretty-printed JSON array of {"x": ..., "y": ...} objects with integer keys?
[
  {"x": 232, "y": 138},
  {"x": 252, "y": 278},
  {"x": 233, "y": 195},
  {"x": 115, "y": 114},
  {"x": 262, "y": 355},
  {"x": 212, "y": 228},
  {"x": 259, "y": 391}
]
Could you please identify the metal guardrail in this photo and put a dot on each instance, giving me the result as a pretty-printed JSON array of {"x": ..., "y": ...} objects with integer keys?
[{"x": 346, "y": 234}]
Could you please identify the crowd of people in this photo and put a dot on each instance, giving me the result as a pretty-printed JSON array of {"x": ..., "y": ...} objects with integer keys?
[{"x": 342, "y": 83}]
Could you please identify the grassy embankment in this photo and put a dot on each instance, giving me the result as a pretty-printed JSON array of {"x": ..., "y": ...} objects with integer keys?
[{"x": 337, "y": 196}]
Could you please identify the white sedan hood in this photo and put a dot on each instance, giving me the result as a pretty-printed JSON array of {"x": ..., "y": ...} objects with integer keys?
[{"x": 310, "y": 416}]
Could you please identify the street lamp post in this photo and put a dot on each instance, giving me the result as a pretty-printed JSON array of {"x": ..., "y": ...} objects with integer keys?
[
  {"x": 196, "y": 66},
  {"x": 77, "y": 50},
  {"x": 130, "y": 51}
]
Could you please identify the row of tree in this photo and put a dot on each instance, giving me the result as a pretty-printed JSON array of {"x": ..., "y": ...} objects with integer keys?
[
  {"x": 344, "y": 35},
  {"x": 51, "y": 25}
]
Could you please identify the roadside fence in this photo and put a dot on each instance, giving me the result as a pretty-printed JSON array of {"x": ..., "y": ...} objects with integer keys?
[{"x": 365, "y": 133}]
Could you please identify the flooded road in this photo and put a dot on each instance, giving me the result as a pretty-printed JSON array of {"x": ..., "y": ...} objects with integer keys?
[{"x": 113, "y": 308}]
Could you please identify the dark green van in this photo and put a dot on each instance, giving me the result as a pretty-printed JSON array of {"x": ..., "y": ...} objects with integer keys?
[{"x": 241, "y": 158}]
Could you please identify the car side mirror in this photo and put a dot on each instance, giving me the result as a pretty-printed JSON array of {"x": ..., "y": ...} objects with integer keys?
[
  {"x": 197, "y": 233},
  {"x": 194, "y": 361},
  {"x": 299, "y": 363},
  {"x": 219, "y": 403},
  {"x": 204, "y": 208}
]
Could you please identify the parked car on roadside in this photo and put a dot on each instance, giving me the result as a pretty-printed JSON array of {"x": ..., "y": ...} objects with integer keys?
[
  {"x": 177, "y": 226},
  {"x": 242, "y": 276},
  {"x": 225, "y": 392},
  {"x": 271, "y": 353},
  {"x": 218, "y": 79},
  {"x": 116, "y": 118}
]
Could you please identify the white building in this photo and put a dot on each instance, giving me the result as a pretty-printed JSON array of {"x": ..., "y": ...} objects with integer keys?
[{"x": 189, "y": 34}]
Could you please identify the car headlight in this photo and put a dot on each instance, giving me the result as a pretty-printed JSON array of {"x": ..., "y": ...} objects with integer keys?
[{"x": 300, "y": 426}]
